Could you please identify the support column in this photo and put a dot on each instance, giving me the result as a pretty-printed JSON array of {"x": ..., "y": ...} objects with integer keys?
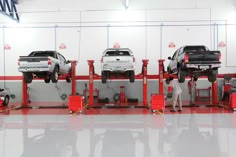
[
  {"x": 161, "y": 76},
  {"x": 145, "y": 84},
  {"x": 25, "y": 96},
  {"x": 91, "y": 70},
  {"x": 214, "y": 93},
  {"x": 73, "y": 77}
]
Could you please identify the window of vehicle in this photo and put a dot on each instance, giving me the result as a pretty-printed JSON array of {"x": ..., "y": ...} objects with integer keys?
[
  {"x": 195, "y": 48},
  {"x": 175, "y": 54},
  {"x": 62, "y": 58},
  {"x": 42, "y": 54},
  {"x": 117, "y": 53}
]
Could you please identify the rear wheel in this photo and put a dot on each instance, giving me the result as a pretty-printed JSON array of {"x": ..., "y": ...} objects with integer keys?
[
  {"x": 104, "y": 77},
  {"x": 131, "y": 76},
  {"x": 212, "y": 76},
  {"x": 181, "y": 75},
  {"x": 6, "y": 100},
  {"x": 54, "y": 76},
  {"x": 28, "y": 77},
  {"x": 47, "y": 80}
]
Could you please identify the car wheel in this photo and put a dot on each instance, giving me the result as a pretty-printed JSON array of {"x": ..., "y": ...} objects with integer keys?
[
  {"x": 54, "y": 76},
  {"x": 181, "y": 75},
  {"x": 28, "y": 77},
  {"x": 212, "y": 77},
  {"x": 47, "y": 80},
  {"x": 104, "y": 77},
  {"x": 6, "y": 100},
  {"x": 68, "y": 79},
  {"x": 131, "y": 76}
]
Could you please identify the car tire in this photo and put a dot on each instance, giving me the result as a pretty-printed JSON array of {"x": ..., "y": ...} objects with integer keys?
[
  {"x": 181, "y": 75},
  {"x": 68, "y": 79},
  {"x": 212, "y": 77},
  {"x": 104, "y": 77},
  {"x": 46, "y": 80},
  {"x": 131, "y": 76},
  {"x": 6, "y": 100},
  {"x": 54, "y": 76},
  {"x": 28, "y": 77}
]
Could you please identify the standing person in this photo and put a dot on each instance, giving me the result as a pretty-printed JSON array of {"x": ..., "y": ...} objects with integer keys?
[{"x": 176, "y": 93}]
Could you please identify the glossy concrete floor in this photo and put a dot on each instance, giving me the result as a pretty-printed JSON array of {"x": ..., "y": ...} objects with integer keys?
[{"x": 196, "y": 132}]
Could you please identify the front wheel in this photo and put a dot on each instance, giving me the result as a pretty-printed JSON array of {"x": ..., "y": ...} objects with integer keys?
[{"x": 6, "y": 100}]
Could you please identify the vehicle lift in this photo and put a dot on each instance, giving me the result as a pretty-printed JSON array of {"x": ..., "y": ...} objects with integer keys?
[
  {"x": 158, "y": 100},
  {"x": 92, "y": 76},
  {"x": 143, "y": 76},
  {"x": 25, "y": 94}
]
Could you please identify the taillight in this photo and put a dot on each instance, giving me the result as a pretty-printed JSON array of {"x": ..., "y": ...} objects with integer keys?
[
  {"x": 18, "y": 62},
  {"x": 133, "y": 59},
  {"x": 101, "y": 60},
  {"x": 219, "y": 56},
  {"x": 186, "y": 57},
  {"x": 49, "y": 61}
]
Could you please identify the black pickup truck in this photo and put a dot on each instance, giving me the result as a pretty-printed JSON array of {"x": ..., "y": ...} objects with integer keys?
[{"x": 194, "y": 61}]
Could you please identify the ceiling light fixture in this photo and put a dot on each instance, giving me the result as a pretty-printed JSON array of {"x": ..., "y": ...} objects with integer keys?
[{"x": 126, "y": 4}]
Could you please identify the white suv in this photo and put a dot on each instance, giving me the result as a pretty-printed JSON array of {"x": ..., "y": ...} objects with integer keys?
[{"x": 118, "y": 61}]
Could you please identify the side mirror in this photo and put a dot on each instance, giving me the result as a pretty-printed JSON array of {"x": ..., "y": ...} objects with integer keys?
[
  {"x": 169, "y": 58},
  {"x": 67, "y": 62}
]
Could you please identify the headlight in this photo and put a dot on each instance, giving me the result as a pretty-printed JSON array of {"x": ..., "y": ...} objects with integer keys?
[{"x": 2, "y": 97}]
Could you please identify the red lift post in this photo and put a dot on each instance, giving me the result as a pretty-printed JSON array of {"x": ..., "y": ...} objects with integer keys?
[
  {"x": 158, "y": 100},
  {"x": 214, "y": 93},
  {"x": 145, "y": 84},
  {"x": 91, "y": 80},
  {"x": 161, "y": 76},
  {"x": 25, "y": 96},
  {"x": 73, "y": 77}
]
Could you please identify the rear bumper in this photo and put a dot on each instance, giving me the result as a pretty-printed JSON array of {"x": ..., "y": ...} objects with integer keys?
[
  {"x": 46, "y": 69},
  {"x": 118, "y": 68},
  {"x": 203, "y": 66}
]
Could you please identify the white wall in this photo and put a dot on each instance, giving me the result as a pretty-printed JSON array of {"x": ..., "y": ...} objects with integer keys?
[{"x": 147, "y": 28}]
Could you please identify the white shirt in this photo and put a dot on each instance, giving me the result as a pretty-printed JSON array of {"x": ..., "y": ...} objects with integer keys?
[{"x": 175, "y": 87}]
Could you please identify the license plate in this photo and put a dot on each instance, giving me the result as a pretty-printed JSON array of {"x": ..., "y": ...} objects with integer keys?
[{"x": 204, "y": 66}]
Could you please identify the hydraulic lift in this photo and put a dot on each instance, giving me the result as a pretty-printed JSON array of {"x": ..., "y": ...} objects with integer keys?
[
  {"x": 158, "y": 101},
  {"x": 25, "y": 93},
  {"x": 143, "y": 76}
]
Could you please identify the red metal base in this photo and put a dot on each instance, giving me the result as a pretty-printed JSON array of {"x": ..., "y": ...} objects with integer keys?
[
  {"x": 158, "y": 102},
  {"x": 75, "y": 103}
]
